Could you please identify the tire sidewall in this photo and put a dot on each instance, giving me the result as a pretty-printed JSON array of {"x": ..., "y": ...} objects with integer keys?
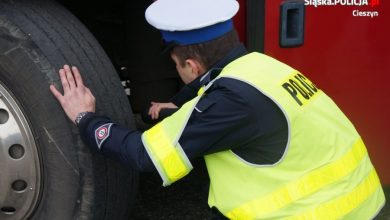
[
  {"x": 55, "y": 136},
  {"x": 76, "y": 183}
]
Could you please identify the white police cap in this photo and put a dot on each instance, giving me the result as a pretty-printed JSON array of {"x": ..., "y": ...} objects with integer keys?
[{"x": 191, "y": 21}]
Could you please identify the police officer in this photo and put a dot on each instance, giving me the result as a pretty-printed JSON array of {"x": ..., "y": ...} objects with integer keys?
[{"x": 275, "y": 145}]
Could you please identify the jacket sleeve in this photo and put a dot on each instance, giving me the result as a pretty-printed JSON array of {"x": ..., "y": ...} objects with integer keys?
[
  {"x": 220, "y": 121},
  {"x": 112, "y": 140}
]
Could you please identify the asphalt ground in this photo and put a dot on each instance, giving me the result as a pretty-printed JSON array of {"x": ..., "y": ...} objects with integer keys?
[
  {"x": 385, "y": 213},
  {"x": 185, "y": 199}
]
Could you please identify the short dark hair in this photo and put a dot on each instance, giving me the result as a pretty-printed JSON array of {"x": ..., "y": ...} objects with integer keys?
[{"x": 207, "y": 53}]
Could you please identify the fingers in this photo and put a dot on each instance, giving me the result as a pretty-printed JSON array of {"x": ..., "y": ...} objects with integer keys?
[
  {"x": 154, "y": 110},
  {"x": 56, "y": 93},
  {"x": 77, "y": 76},
  {"x": 64, "y": 80},
  {"x": 156, "y": 107},
  {"x": 151, "y": 108},
  {"x": 69, "y": 77},
  {"x": 155, "y": 113}
]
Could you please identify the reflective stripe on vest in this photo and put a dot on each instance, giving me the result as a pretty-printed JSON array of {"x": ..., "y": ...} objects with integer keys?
[
  {"x": 169, "y": 158},
  {"x": 325, "y": 168},
  {"x": 311, "y": 183},
  {"x": 339, "y": 207},
  {"x": 162, "y": 143}
]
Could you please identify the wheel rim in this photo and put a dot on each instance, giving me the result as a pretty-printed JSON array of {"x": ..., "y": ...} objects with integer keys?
[{"x": 20, "y": 169}]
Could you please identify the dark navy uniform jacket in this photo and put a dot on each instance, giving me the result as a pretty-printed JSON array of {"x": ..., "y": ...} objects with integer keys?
[{"x": 231, "y": 115}]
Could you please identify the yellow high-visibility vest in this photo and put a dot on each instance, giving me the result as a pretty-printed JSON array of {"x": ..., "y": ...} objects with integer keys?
[{"x": 325, "y": 172}]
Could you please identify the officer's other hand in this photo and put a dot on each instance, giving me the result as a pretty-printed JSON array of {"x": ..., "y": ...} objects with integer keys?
[
  {"x": 155, "y": 108},
  {"x": 77, "y": 97}
]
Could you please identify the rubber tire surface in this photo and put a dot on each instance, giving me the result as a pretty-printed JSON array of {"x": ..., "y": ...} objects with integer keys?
[{"x": 37, "y": 37}]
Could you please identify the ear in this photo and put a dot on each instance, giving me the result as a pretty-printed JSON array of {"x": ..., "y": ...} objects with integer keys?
[{"x": 196, "y": 67}]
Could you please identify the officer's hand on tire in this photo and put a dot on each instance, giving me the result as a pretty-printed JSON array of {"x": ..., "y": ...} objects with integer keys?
[{"x": 77, "y": 97}]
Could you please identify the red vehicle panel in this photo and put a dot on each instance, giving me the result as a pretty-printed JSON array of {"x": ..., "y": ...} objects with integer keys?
[
  {"x": 347, "y": 56},
  {"x": 345, "y": 52}
]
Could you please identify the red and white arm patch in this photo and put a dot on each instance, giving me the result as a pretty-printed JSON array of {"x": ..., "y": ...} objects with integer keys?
[{"x": 102, "y": 133}]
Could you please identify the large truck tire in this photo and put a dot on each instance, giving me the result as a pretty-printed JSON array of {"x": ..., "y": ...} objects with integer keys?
[{"x": 46, "y": 172}]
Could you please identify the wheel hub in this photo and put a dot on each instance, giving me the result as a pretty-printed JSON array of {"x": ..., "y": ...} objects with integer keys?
[{"x": 20, "y": 179}]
